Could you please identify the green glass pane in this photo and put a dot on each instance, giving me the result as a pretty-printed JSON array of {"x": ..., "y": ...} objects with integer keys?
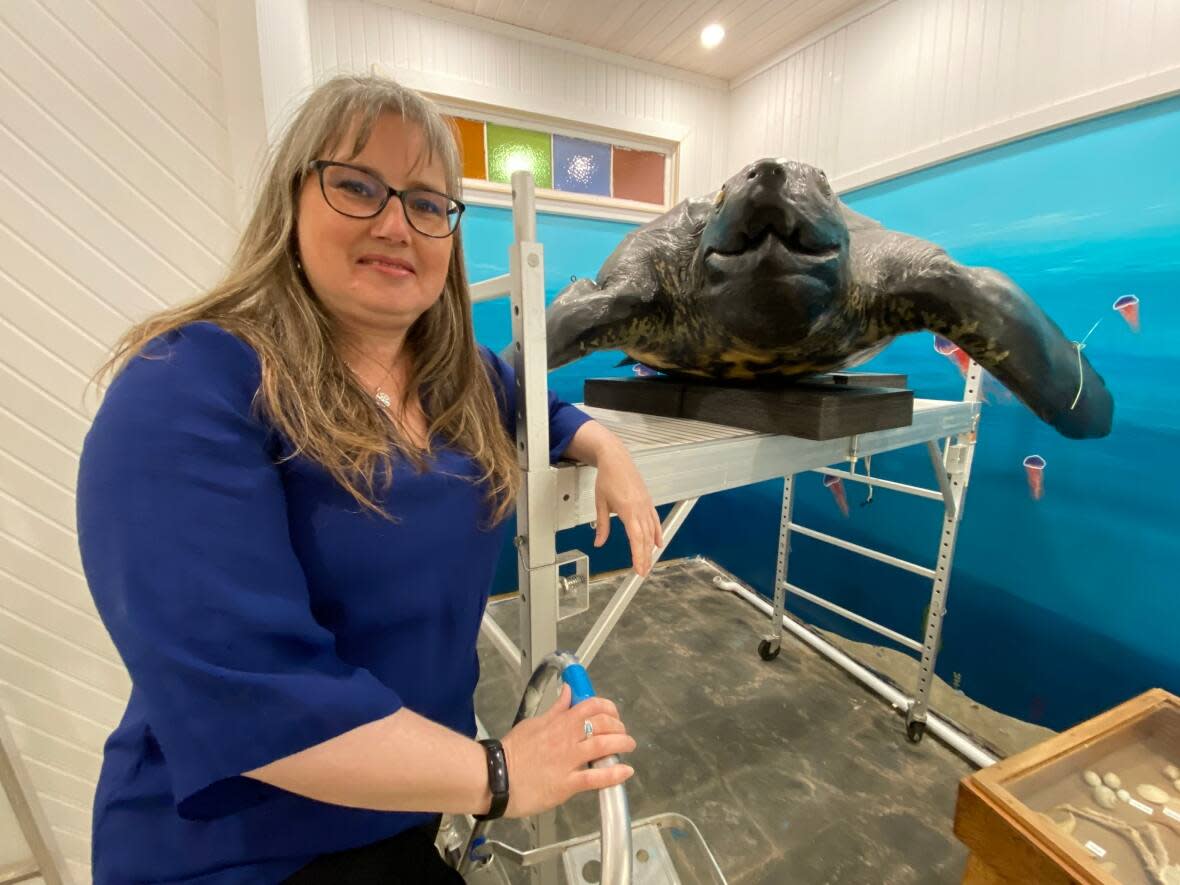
[{"x": 511, "y": 149}]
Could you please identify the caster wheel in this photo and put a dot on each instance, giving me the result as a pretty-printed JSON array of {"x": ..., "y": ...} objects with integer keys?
[
  {"x": 914, "y": 731},
  {"x": 765, "y": 652}
]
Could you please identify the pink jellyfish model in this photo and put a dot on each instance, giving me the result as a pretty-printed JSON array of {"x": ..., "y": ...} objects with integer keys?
[
  {"x": 1128, "y": 308},
  {"x": 953, "y": 352},
  {"x": 836, "y": 486},
  {"x": 1034, "y": 472}
]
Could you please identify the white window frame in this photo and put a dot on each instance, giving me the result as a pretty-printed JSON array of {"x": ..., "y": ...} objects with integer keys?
[
  {"x": 492, "y": 193},
  {"x": 479, "y": 192}
]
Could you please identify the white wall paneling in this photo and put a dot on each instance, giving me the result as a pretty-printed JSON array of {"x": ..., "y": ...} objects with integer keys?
[
  {"x": 245, "y": 106},
  {"x": 455, "y": 55},
  {"x": 266, "y": 60},
  {"x": 117, "y": 197},
  {"x": 901, "y": 85},
  {"x": 285, "y": 50}
]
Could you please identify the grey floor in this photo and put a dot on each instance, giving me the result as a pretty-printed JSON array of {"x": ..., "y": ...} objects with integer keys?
[{"x": 792, "y": 771}]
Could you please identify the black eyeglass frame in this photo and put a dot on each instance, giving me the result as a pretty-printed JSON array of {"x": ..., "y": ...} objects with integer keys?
[{"x": 320, "y": 165}]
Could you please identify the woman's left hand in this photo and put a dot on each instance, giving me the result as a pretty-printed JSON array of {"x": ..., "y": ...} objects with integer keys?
[{"x": 621, "y": 490}]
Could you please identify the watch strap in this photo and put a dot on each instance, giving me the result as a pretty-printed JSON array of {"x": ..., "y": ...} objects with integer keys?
[{"x": 497, "y": 779}]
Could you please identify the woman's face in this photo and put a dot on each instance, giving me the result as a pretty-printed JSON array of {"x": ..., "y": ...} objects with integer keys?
[{"x": 375, "y": 274}]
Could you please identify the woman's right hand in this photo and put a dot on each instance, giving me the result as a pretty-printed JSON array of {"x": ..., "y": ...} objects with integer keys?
[{"x": 547, "y": 755}]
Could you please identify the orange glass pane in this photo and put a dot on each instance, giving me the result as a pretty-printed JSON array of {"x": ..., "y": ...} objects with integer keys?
[
  {"x": 469, "y": 136},
  {"x": 639, "y": 175}
]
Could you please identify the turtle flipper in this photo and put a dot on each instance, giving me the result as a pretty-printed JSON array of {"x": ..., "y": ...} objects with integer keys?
[
  {"x": 586, "y": 317},
  {"x": 986, "y": 314}
]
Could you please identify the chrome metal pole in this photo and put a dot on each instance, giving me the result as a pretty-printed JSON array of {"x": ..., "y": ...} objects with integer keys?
[
  {"x": 610, "y": 615},
  {"x": 613, "y": 806},
  {"x": 941, "y": 729}
]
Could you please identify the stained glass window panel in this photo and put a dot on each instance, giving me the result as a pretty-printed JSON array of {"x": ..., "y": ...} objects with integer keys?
[
  {"x": 639, "y": 175},
  {"x": 511, "y": 149},
  {"x": 469, "y": 135},
  {"x": 581, "y": 166}
]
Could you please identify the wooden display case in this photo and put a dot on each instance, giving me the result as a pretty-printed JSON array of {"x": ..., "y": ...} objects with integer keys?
[{"x": 1038, "y": 817}]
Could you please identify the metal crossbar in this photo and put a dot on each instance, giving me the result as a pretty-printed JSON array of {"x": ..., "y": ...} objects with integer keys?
[
  {"x": 917, "y": 491},
  {"x": 863, "y": 551},
  {"x": 854, "y": 617}
]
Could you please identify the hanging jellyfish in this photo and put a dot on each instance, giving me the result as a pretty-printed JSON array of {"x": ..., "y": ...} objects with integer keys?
[
  {"x": 1034, "y": 473},
  {"x": 1128, "y": 308},
  {"x": 953, "y": 352},
  {"x": 836, "y": 486}
]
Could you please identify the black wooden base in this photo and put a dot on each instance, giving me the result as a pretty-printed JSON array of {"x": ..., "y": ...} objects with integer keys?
[
  {"x": 825, "y": 407},
  {"x": 861, "y": 379}
]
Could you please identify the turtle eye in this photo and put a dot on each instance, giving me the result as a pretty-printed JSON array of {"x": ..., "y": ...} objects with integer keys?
[
  {"x": 719, "y": 198},
  {"x": 825, "y": 186}
]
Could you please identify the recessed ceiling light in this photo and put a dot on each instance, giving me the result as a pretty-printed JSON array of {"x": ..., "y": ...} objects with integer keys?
[{"x": 712, "y": 35}]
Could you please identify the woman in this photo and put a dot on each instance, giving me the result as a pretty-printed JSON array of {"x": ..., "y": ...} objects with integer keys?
[{"x": 289, "y": 509}]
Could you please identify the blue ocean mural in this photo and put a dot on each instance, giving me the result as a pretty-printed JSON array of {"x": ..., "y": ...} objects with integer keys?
[{"x": 1060, "y": 605}]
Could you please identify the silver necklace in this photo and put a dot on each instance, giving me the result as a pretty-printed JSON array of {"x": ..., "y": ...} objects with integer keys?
[{"x": 383, "y": 399}]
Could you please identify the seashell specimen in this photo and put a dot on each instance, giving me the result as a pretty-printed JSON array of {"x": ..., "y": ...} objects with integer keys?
[
  {"x": 1112, "y": 780},
  {"x": 1105, "y": 796},
  {"x": 1066, "y": 826},
  {"x": 1152, "y": 793},
  {"x": 1171, "y": 772},
  {"x": 1123, "y": 795},
  {"x": 1091, "y": 778}
]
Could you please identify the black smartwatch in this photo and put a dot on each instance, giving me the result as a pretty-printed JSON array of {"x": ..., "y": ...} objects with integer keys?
[{"x": 497, "y": 779}]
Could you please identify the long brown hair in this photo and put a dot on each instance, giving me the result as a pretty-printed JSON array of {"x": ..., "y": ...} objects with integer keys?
[{"x": 307, "y": 391}]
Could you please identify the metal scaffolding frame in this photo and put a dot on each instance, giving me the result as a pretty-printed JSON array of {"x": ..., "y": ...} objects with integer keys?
[
  {"x": 45, "y": 860},
  {"x": 952, "y": 470},
  {"x": 681, "y": 460}
]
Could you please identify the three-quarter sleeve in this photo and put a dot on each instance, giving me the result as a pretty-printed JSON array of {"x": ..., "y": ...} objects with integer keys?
[
  {"x": 183, "y": 529},
  {"x": 564, "y": 419}
]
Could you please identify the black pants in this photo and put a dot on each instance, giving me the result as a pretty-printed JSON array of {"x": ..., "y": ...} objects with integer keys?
[{"x": 408, "y": 857}]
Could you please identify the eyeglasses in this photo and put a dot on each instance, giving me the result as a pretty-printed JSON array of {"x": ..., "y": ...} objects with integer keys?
[{"x": 356, "y": 193}]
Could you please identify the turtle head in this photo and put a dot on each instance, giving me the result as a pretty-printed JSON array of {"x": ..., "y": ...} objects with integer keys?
[{"x": 773, "y": 252}]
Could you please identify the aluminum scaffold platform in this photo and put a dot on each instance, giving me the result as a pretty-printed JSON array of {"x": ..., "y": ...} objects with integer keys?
[{"x": 682, "y": 460}]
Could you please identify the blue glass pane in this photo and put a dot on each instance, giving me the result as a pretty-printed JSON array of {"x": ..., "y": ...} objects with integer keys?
[{"x": 581, "y": 166}]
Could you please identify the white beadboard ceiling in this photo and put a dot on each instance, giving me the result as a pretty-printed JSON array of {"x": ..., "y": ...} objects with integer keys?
[{"x": 668, "y": 32}]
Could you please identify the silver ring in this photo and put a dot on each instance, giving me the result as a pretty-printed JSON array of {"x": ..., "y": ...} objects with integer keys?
[{"x": 587, "y": 729}]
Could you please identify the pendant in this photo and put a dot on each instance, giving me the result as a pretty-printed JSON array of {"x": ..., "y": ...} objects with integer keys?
[{"x": 383, "y": 398}]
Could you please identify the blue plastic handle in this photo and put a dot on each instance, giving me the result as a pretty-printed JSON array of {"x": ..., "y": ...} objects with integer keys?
[{"x": 578, "y": 680}]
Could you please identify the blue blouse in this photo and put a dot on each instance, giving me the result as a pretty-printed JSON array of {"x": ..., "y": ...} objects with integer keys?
[{"x": 260, "y": 610}]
